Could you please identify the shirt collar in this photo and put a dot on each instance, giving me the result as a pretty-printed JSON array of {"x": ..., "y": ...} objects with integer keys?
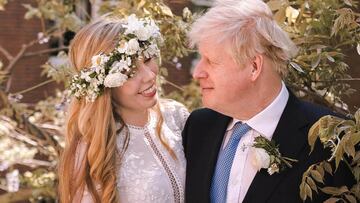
[{"x": 265, "y": 122}]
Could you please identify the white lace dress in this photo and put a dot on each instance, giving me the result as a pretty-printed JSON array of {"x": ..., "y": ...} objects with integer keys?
[{"x": 148, "y": 173}]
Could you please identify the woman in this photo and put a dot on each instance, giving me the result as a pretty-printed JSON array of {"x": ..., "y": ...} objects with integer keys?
[{"x": 122, "y": 143}]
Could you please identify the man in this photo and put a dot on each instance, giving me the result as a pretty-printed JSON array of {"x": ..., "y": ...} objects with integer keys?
[{"x": 243, "y": 59}]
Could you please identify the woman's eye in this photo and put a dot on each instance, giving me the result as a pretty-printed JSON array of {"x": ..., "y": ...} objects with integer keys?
[{"x": 147, "y": 60}]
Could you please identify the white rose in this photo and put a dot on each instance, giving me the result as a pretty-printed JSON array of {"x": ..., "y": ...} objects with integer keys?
[
  {"x": 260, "y": 158},
  {"x": 115, "y": 80},
  {"x": 133, "y": 24},
  {"x": 142, "y": 34},
  {"x": 133, "y": 47}
]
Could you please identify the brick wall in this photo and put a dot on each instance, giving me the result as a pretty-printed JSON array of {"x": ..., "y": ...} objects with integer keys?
[{"x": 15, "y": 31}]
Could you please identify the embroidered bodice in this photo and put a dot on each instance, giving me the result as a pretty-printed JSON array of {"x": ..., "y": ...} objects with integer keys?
[{"x": 148, "y": 173}]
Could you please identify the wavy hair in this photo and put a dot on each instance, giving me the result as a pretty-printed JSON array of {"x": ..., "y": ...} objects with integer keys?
[
  {"x": 90, "y": 159},
  {"x": 250, "y": 29}
]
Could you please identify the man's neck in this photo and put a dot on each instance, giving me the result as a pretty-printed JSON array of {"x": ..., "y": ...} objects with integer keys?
[{"x": 259, "y": 100}]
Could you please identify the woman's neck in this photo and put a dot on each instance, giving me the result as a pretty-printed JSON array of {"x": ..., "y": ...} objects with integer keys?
[{"x": 132, "y": 117}]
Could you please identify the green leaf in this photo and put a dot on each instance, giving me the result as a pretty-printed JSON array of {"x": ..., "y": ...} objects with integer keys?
[
  {"x": 332, "y": 200},
  {"x": 320, "y": 169},
  {"x": 330, "y": 58},
  {"x": 315, "y": 61},
  {"x": 357, "y": 117},
  {"x": 349, "y": 147},
  {"x": 312, "y": 184},
  {"x": 348, "y": 2},
  {"x": 339, "y": 153},
  {"x": 327, "y": 167},
  {"x": 280, "y": 15},
  {"x": 313, "y": 135},
  {"x": 317, "y": 176},
  {"x": 276, "y": 4},
  {"x": 351, "y": 198},
  {"x": 334, "y": 190},
  {"x": 303, "y": 195},
  {"x": 308, "y": 191},
  {"x": 297, "y": 67}
]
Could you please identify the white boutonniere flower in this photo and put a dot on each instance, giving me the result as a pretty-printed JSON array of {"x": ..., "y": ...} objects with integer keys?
[
  {"x": 260, "y": 158},
  {"x": 266, "y": 154}
]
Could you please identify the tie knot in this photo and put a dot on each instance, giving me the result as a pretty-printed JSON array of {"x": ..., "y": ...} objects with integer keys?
[{"x": 240, "y": 129}]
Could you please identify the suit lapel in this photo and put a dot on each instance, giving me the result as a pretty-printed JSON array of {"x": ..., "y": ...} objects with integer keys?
[{"x": 291, "y": 140}]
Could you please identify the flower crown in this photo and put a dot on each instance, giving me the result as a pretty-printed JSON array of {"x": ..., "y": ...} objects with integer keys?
[{"x": 139, "y": 39}]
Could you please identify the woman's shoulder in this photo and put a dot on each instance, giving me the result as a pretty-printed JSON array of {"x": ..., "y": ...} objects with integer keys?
[
  {"x": 174, "y": 111},
  {"x": 171, "y": 105}
]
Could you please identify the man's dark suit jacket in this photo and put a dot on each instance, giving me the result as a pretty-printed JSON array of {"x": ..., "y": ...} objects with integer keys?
[{"x": 202, "y": 139}]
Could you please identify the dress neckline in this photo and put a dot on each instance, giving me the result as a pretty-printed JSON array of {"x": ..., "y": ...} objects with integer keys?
[{"x": 151, "y": 121}]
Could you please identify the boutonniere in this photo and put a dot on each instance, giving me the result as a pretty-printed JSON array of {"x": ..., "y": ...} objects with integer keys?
[{"x": 266, "y": 155}]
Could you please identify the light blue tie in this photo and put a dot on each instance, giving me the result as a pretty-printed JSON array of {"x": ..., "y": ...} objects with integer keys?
[{"x": 220, "y": 179}]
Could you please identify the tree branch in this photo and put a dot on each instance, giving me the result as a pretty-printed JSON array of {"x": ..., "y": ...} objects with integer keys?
[
  {"x": 45, "y": 51},
  {"x": 34, "y": 87},
  {"x": 320, "y": 99},
  {"x": 6, "y": 53},
  {"x": 19, "y": 55}
]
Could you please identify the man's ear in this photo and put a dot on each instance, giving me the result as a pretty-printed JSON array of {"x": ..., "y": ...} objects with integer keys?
[{"x": 257, "y": 66}]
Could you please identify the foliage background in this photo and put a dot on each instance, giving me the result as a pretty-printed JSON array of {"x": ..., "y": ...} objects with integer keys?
[{"x": 31, "y": 135}]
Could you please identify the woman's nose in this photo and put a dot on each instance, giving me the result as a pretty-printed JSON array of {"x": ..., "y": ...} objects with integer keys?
[{"x": 147, "y": 73}]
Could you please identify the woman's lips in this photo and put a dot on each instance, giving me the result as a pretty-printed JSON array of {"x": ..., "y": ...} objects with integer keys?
[{"x": 149, "y": 92}]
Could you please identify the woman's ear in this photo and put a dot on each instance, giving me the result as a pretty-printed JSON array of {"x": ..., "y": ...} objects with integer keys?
[{"x": 257, "y": 66}]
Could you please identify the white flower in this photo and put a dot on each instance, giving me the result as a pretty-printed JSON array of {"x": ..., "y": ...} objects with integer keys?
[
  {"x": 133, "y": 47},
  {"x": 152, "y": 50},
  {"x": 119, "y": 66},
  {"x": 122, "y": 46},
  {"x": 13, "y": 182},
  {"x": 99, "y": 60},
  {"x": 143, "y": 34},
  {"x": 115, "y": 80},
  {"x": 153, "y": 29},
  {"x": 274, "y": 168},
  {"x": 260, "y": 158},
  {"x": 133, "y": 24},
  {"x": 86, "y": 76}
]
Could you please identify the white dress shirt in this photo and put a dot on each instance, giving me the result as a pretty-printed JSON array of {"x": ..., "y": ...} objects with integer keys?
[{"x": 264, "y": 123}]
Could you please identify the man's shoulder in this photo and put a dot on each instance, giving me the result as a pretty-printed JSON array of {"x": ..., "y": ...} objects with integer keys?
[
  {"x": 205, "y": 114},
  {"x": 314, "y": 112}
]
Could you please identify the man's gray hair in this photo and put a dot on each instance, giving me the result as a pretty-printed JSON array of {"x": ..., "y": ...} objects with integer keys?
[{"x": 249, "y": 27}]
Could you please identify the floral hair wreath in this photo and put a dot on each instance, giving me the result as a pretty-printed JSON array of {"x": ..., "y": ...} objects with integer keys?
[{"x": 140, "y": 39}]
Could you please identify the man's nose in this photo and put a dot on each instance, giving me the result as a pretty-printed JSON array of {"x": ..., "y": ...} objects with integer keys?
[{"x": 199, "y": 71}]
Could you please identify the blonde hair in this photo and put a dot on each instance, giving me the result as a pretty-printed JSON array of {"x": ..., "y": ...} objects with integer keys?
[
  {"x": 91, "y": 126},
  {"x": 250, "y": 29}
]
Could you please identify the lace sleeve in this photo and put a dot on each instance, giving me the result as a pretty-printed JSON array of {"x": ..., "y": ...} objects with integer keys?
[{"x": 175, "y": 113}]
